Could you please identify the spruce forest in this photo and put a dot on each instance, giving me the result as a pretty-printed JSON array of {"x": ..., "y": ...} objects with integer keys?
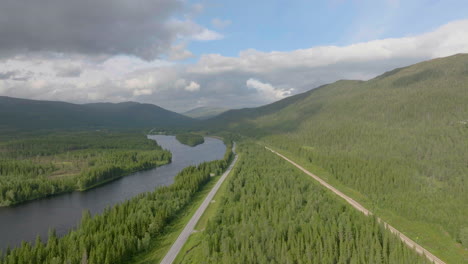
[{"x": 273, "y": 213}]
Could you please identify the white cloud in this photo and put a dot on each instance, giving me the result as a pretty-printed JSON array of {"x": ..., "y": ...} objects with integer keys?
[
  {"x": 207, "y": 35},
  {"x": 193, "y": 87},
  {"x": 179, "y": 52},
  {"x": 268, "y": 91},
  {"x": 220, "y": 23},
  {"x": 180, "y": 83},
  {"x": 192, "y": 31},
  {"x": 142, "y": 92},
  {"x": 449, "y": 39},
  {"x": 269, "y": 75}
]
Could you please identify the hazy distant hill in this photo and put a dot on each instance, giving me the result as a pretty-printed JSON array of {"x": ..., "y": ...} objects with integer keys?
[
  {"x": 18, "y": 113},
  {"x": 398, "y": 141},
  {"x": 204, "y": 112}
]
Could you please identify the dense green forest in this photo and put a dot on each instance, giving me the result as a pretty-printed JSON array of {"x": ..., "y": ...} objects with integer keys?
[
  {"x": 397, "y": 143},
  {"x": 37, "y": 166},
  {"x": 273, "y": 213},
  {"x": 123, "y": 230},
  {"x": 190, "y": 139}
]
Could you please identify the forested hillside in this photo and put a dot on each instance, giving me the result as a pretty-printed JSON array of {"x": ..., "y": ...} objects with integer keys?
[
  {"x": 397, "y": 143},
  {"x": 203, "y": 113},
  {"x": 37, "y": 166},
  {"x": 273, "y": 213},
  {"x": 21, "y": 114}
]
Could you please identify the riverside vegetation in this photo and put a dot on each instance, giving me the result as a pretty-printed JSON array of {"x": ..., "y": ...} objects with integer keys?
[
  {"x": 123, "y": 230},
  {"x": 37, "y": 166},
  {"x": 270, "y": 212}
]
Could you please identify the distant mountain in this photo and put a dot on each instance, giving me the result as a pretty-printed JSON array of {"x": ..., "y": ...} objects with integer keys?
[
  {"x": 18, "y": 113},
  {"x": 242, "y": 118},
  {"x": 418, "y": 89},
  {"x": 204, "y": 112}
]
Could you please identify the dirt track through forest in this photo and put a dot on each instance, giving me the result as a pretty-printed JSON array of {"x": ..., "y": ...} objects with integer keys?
[{"x": 410, "y": 243}]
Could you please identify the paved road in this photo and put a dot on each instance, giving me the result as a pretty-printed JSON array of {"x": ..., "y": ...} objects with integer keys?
[
  {"x": 179, "y": 243},
  {"x": 419, "y": 249}
]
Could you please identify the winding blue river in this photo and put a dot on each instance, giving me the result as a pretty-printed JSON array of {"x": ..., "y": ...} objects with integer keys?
[{"x": 63, "y": 212}]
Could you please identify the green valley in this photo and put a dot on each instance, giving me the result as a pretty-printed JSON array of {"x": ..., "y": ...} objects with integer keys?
[
  {"x": 233, "y": 132},
  {"x": 397, "y": 144}
]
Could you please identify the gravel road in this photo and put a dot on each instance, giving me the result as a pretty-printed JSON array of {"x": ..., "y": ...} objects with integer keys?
[{"x": 410, "y": 243}]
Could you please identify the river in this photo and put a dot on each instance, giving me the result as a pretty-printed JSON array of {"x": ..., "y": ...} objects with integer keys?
[{"x": 63, "y": 212}]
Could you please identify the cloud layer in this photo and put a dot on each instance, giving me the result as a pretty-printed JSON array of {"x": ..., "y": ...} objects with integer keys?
[
  {"x": 252, "y": 78},
  {"x": 143, "y": 28}
]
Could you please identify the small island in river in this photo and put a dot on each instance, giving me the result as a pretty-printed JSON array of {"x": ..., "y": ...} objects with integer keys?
[{"x": 190, "y": 139}]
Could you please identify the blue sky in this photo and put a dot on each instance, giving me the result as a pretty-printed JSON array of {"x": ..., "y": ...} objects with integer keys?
[
  {"x": 182, "y": 54},
  {"x": 298, "y": 24}
]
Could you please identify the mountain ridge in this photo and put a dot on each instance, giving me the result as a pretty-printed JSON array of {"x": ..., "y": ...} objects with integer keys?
[
  {"x": 204, "y": 112},
  {"x": 18, "y": 113}
]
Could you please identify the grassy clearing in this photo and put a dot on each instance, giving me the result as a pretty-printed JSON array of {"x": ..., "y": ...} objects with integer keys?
[{"x": 430, "y": 236}]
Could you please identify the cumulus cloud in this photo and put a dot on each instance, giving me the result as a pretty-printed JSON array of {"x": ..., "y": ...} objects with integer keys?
[
  {"x": 267, "y": 91},
  {"x": 449, "y": 39},
  {"x": 192, "y": 87},
  {"x": 249, "y": 79},
  {"x": 207, "y": 35},
  {"x": 146, "y": 28},
  {"x": 179, "y": 52},
  {"x": 190, "y": 30}
]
